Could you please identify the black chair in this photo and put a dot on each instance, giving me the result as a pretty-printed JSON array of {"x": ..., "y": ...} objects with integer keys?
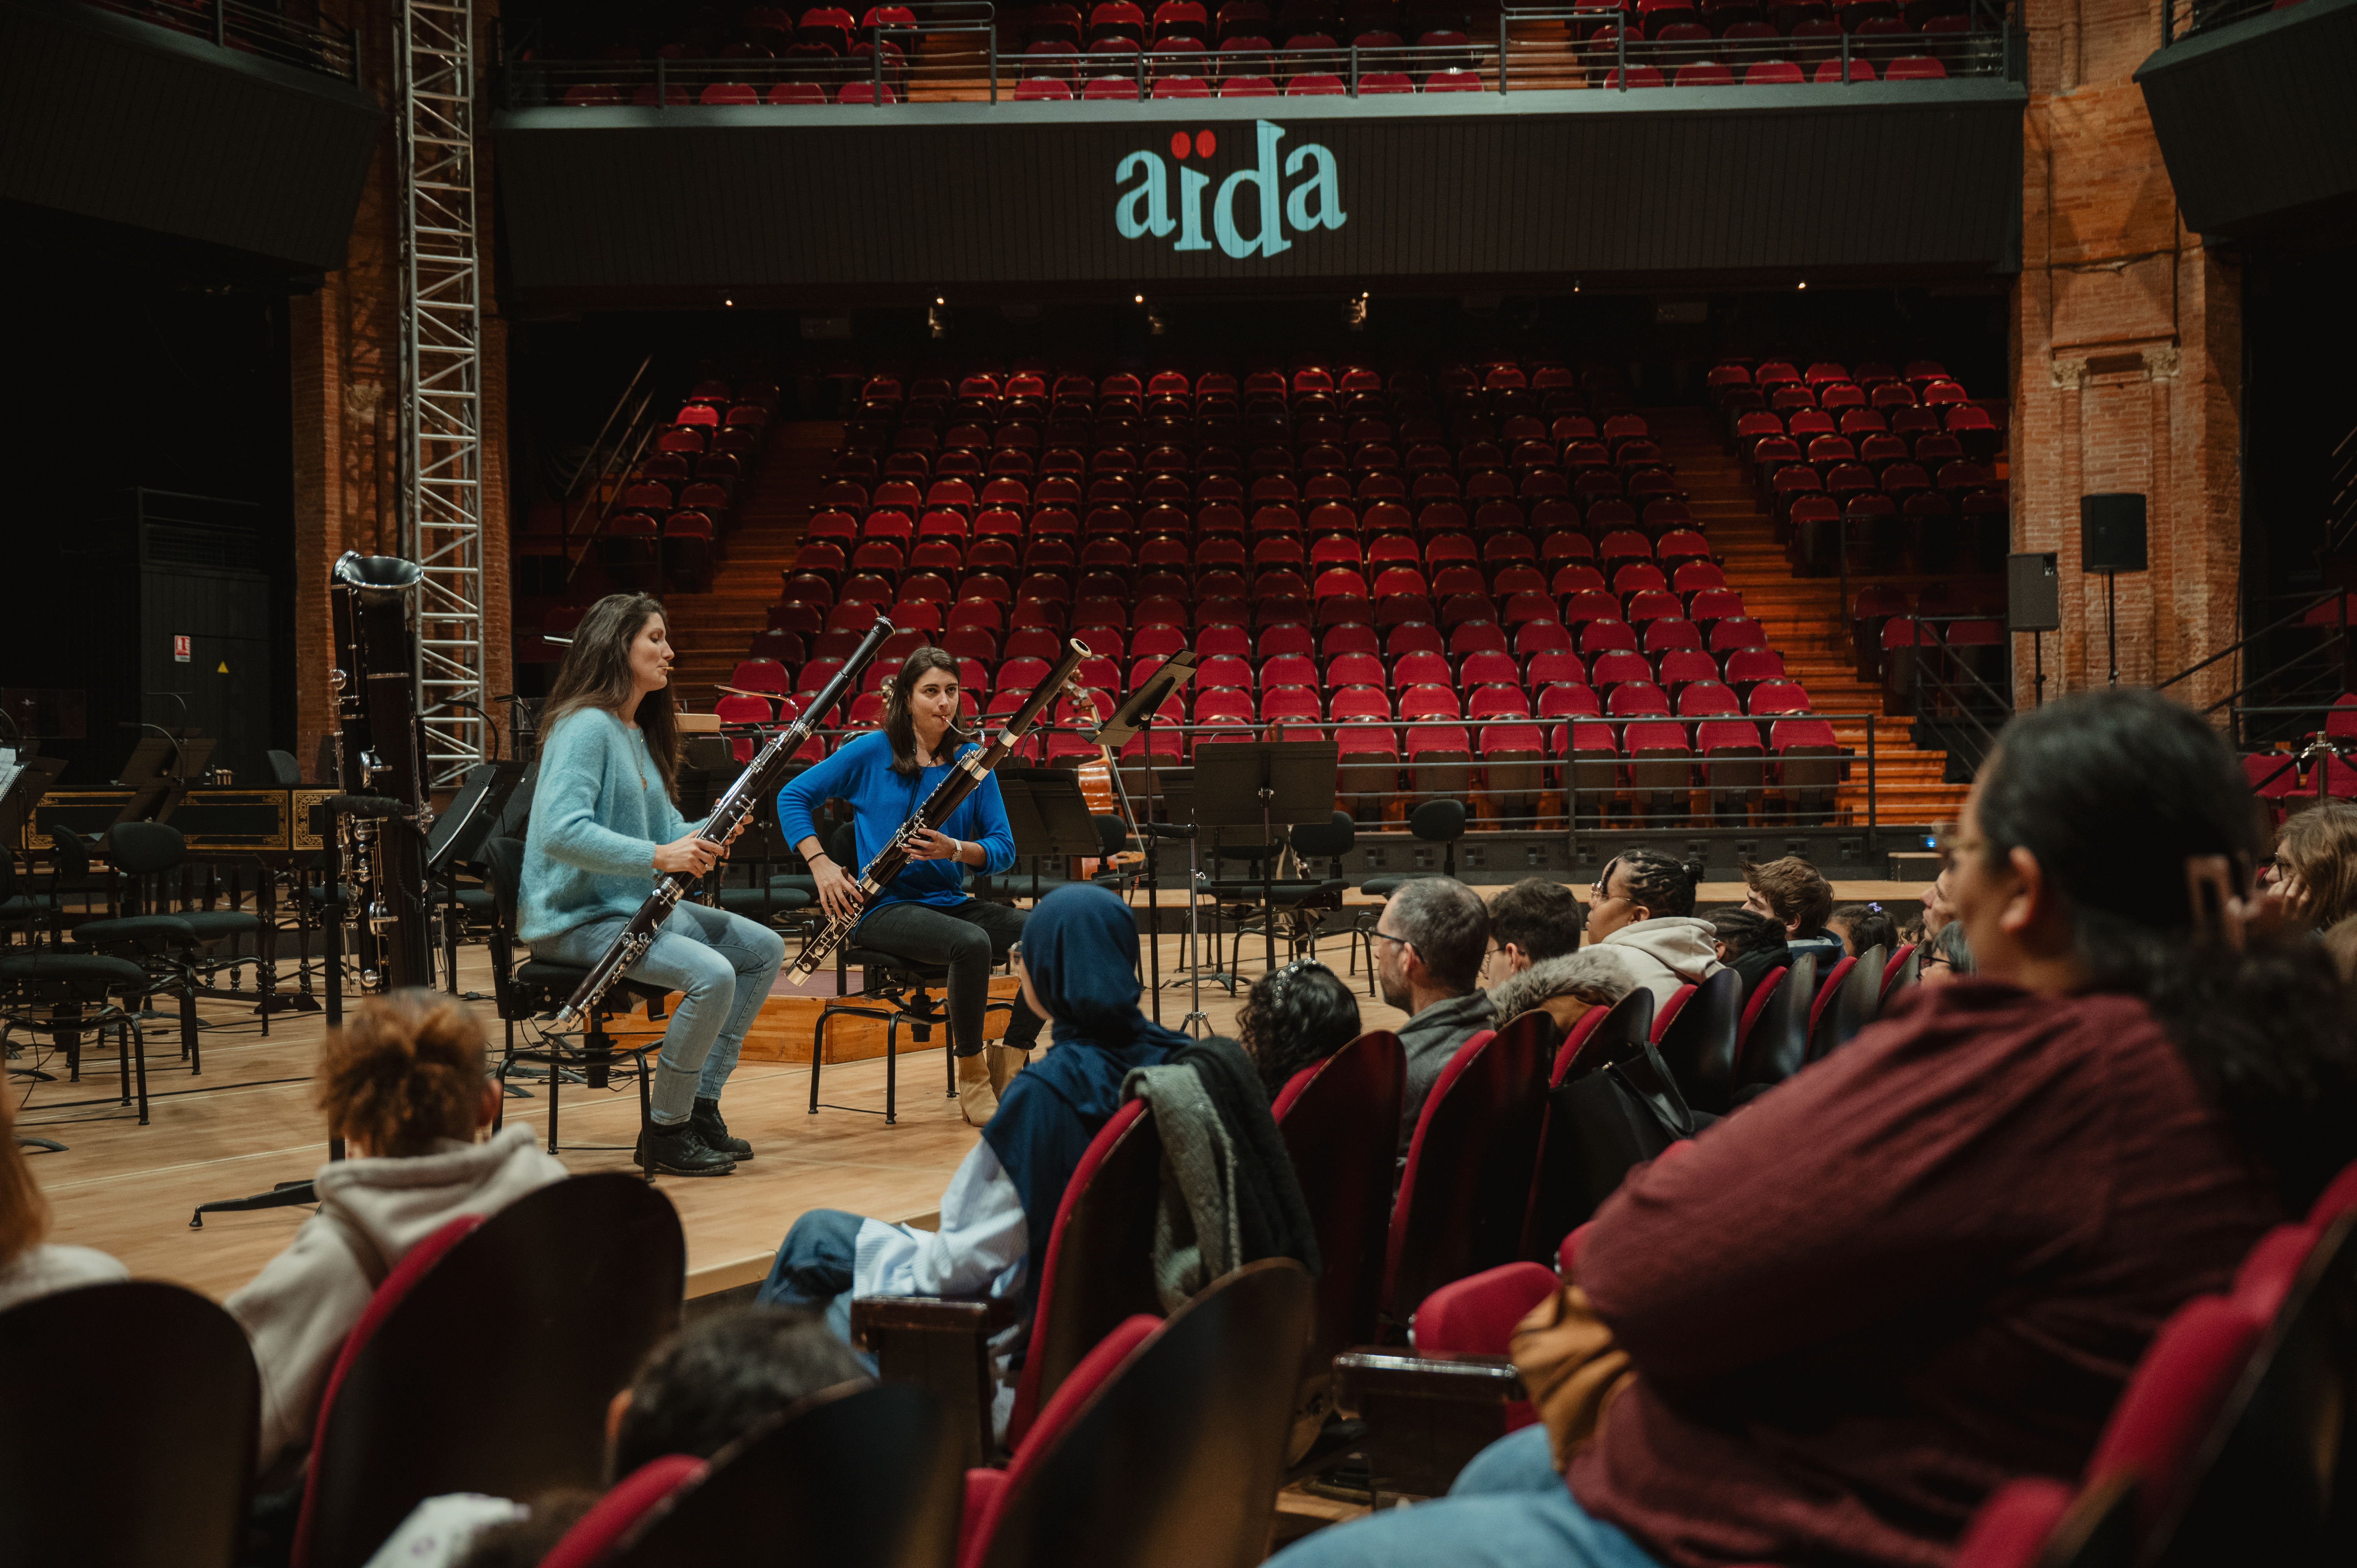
[
  {"x": 523, "y": 992},
  {"x": 1435, "y": 822},
  {"x": 1698, "y": 1041},
  {"x": 863, "y": 1479},
  {"x": 133, "y": 1442},
  {"x": 1846, "y": 1004},
  {"x": 25, "y": 911},
  {"x": 1287, "y": 910},
  {"x": 163, "y": 946},
  {"x": 145, "y": 852},
  {"x": 1777, "y": 1043},
  {"x": 892, "y": 991},
  {"x": 68, "y": 994},
  {"x": 285, "y": 773},
  {"x": 493, "y": 1371}
]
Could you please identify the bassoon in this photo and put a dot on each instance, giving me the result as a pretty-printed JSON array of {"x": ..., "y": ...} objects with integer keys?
[
  {"x": 731, "y": 815},
  {"x": 384, "y": 815},
  {"x": 966, "y": 776}
]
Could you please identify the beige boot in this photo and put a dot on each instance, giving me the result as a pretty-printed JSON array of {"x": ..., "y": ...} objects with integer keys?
[
  {"x": 977, "y": 1097},
  {"x": 1005, "y": 1061}
]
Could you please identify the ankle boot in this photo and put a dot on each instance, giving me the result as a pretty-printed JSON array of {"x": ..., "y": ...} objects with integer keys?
[
  {"x": 676, "y": 1150},
  {"x": 1005, "y": 1061},
  {"x": 713, "y": 1132},
  {"x": 977, "y": 1100}
]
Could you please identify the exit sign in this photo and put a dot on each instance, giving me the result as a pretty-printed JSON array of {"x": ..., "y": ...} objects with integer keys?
[{"x": 181, "y": 649}]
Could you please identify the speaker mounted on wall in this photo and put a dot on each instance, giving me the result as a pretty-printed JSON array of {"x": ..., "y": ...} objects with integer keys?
[{"x": 2111, "y": 532}]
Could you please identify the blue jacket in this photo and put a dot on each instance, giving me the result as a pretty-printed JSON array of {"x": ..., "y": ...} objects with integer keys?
[{"x": 882, "y": 801}]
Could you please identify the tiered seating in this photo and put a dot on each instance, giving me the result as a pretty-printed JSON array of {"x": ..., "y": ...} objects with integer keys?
[
  {"x": 1306, "y": 49},
  {"x": 1896, "y": 462},
  {"x": 678, "y": 504},
  {"x": 1481, "y": 567}
]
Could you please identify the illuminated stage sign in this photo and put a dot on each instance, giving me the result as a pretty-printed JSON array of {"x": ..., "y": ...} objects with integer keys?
[{"x": 1315, "y": 202}]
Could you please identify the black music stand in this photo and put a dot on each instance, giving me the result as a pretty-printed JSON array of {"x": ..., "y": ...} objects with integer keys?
[
  {"x": 1047, "y": 816},
  {"x": 160, "y": 770},
  {"x": 459, "y": 835},
  {"x": 22, "y": 781},
  {"x": 1242, "y": 783},
  {"x": 1136, "y": 716},
  {"x": 1178, "y": 791}
]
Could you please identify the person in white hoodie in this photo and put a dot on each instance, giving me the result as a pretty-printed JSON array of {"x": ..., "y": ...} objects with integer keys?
[
  {"x": 405, "y": 1084},
  {"x": 1640, "y": 920},
  {"x": 30, "y": 1265}
]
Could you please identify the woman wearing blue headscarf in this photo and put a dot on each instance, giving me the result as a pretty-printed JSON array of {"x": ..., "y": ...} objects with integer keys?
[{"x": 1078, "y": 966}]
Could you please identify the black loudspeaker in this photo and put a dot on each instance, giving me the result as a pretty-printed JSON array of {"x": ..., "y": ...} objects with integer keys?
[
  {"x": 2111, "y": 533},
  {"x": 2033, "y": 593}
]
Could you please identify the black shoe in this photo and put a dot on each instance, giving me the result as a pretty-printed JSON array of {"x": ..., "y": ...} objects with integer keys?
[
  {"x": 676, "y": 1150},
  {"x": 713, "y": 1132}
]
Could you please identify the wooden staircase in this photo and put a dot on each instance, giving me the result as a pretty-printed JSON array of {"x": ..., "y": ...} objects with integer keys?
[
  {"x": 1806, "y": 622},
  {"x": 711, "y": 631}
]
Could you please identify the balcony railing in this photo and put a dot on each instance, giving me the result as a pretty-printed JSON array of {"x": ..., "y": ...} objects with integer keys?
[
  {"x": 266, "y": 32},
  {"x": 2182, "y": 19}
]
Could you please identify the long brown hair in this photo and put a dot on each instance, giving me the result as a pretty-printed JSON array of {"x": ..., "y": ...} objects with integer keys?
[
  {"x": 596, "y": 674},
  {"x": 2319, "y": 847},
  {"x": 24, "y": 1210},
  {"x": 900, "y": 725},
  {"x": 405, "y": 1071}
]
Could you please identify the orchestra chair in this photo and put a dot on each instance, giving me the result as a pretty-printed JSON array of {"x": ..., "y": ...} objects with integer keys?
[
  {"x": 27, "y": 912},
  {"x": 853, "y": 1477},
  {"x": 146, "y": 851},
  {"x": 1903, "y": 970},
  {"x": 525, "y": 990},
  {"x": 163, "y": 946},
  {"x": 133, "y": 1446},
  {"x": 1696, "y": 1037},
  {"x": 1339, "y": 1119},
  {"x": 1845, "y": 1003},
  {"x": 1441, "y": 823},
  {"x": 65, "y": 995},
  {"x": 1196, "y": 1408},
  {"x": 487, "y": 1358},
  {"x": 1095, "y": 1270},
  {"x": 892, "y": 991}
]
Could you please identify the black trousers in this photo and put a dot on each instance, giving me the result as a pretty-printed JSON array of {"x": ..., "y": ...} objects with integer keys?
[{"x": 967, "y": 940}]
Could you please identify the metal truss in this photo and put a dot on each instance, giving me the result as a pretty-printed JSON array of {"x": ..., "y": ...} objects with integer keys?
[{"x": 441, "y": 410}]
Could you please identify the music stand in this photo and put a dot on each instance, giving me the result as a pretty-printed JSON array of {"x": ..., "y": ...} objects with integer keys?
[
  {"x": 1179, "y": 789},
  {"x": 22, "y": 781},
  {"x": 1047, "y": 815},
  {"x": 1243, "y": 782},
  {"x": 160, "y": 772},
  {"x": 1136, "y": 716}
]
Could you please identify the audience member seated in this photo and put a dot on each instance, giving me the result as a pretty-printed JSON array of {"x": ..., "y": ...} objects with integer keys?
[
  {"x": 1077, "y": 964},
  {"x": 1428, "y": 945},
  {"x": 1793, "y": 894},
  {"x": 1295, "y": 1018},
  {"x": 1947, "y": 956},
  {"x": 30, "y": 1267},
  {"x": 1565, "y": 987},
  {"x": 2315, "y": 867},
  {"x": 700, "y": 1391},
  {"x": 1864, "y": 926},
  {"x": 1641, "y": 914},
  {"x": 1751, "y": 944},
  {"x": 406, "y": 1084},
  {"x": 1927, "y": 1265},
  {"x": 2341, "y": 942},
  {"x": 1534, "y": 919},
  {"x": 1934, "y": 913}
]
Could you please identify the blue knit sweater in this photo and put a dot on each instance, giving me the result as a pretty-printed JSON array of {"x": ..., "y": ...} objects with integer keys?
[
  {"x": 599, "y": 811},
  {"x": 882, "y": 801}
]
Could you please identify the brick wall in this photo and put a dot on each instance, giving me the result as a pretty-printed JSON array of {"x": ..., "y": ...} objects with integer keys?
[
  {"x": 2128, "y": 355},
  {"x": 346, "y": 372}
]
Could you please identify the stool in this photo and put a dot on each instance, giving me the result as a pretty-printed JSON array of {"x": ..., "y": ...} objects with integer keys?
[{"x": 886, "y": 979}]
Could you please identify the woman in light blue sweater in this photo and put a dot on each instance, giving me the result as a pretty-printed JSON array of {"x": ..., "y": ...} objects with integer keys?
[{"x": 603, "y": 823}]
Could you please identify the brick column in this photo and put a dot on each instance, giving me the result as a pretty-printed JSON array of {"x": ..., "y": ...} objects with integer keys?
[{"x": 2127, "y": 363}]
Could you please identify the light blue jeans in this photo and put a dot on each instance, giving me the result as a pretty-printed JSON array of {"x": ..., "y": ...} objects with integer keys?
[
  {"x": 1509, "y": 1508},
  {"x": 720, "y": 964}
]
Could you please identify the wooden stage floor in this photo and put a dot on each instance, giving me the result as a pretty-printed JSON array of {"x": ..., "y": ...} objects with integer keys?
[{"x": 128, "y": 1190}]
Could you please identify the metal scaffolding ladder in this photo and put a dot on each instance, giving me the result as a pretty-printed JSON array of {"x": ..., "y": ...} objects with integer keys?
[{"x": 442, "y": 449}]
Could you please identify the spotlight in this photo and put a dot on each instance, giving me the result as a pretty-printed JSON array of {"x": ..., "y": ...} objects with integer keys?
[
  {"x": 729, "y": 304},
  {"x": 1802, "y": 283},
  {"x": 938, "y": 300},
  {"x": 937, "y": 319},
  {"x": 1575, "y": 288},
  {"x": 1137, "y": 299}
]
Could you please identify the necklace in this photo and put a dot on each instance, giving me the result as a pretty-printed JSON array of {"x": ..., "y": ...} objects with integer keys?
[{"x": 638, "y": 756}]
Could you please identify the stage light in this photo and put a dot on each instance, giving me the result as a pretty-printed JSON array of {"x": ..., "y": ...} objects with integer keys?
[
  {"x": 938, "y": 300},
  {"x": 1137, "y": 299},
  {"x": 1802, "y": 283},
  {"x": 730, "y": 304}
]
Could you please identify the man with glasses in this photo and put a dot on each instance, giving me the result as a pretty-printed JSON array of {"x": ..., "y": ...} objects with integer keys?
[{"x": 1428, "y": 951}]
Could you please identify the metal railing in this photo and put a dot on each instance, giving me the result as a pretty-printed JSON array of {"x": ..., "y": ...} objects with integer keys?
[
  {"x": 947, "y": 59},
  {"x": 595, "y": 491},
  {"x": 2321, "y": 669},
  {"x": 268, "y": 33},
  {"x": 2182, "y": 19}
]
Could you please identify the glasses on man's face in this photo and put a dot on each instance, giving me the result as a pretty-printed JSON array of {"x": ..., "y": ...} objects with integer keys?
[{"x": 1387, "y": 937}]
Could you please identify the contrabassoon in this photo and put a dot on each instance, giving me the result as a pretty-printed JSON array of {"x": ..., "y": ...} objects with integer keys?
[
  {"x": 731, "y": 815},
  {"x": 381, "y": 766},
  {"x": 966, "y": 776}
]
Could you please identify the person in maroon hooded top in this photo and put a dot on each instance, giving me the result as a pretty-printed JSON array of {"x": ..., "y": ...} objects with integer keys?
[{"x": 1927, "y": 1265}]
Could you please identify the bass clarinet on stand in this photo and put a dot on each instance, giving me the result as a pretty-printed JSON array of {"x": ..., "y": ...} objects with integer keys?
[{"x": 730, "y": 816}]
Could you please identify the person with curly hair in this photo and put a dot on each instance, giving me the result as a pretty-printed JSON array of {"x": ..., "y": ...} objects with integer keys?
[
  {"x": 405, "y": 1084},
  {"x": 1641, "y": 918},
  {"x": 1295, "y": 1018},
  {"x": 2315, "y": 867}
]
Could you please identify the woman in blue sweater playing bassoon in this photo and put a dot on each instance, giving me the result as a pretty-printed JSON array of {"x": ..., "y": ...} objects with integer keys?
[
  {"x": 603, "y": 822},
  {"x": 923, "y": 914}
]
